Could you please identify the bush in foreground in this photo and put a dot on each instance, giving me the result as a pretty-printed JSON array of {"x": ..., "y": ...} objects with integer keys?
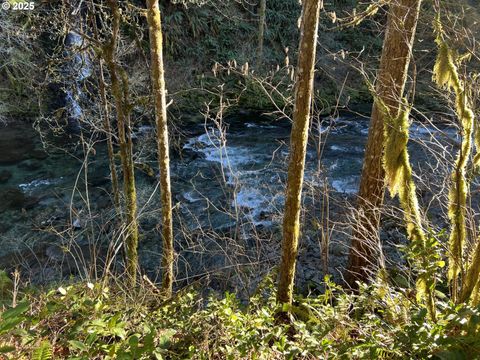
[{"x": 93, "y": 321}]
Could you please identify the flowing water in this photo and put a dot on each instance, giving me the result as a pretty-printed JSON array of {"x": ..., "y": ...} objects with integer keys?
[{"x": 220, "y": 178}]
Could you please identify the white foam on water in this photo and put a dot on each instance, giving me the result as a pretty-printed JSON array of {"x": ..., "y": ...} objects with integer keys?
[
  {"x": 190, "y": 196},
  {"x": 210, "y": 146},
  {"x": 249, "y": 198},
  {"x": 334, "y": 165},
  {"x": 202, "y": 141},
  {"x": 258, "y": 126},
  {"x": 257, "y": 203},
  {"x": 82, "y": 63},
  {"x": 33, "y": 185},
  {"x": 234, "y": 160},
  {"x": 73, "y": 106},
  {"x": 259, "y": 191},
  {"x": 324, "y": 129},
  {"x": 337, "y": 148},
  {"x": 345, "y": 185},
  {"x": 346, "y": 149},
  {"x": 142, "y": 131},
  {"x": 145, "y": 129},
  {"x": 266, "y": 223},
  {"x": 421, "y": 131}
]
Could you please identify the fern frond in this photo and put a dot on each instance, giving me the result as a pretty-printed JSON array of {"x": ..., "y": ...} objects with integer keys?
[{"x": 43, "y": 352}]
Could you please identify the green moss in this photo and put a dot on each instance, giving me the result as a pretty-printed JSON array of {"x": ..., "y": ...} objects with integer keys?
[
  {"x": 446, "y": 75},
  {"x": 6, "y": 287}
]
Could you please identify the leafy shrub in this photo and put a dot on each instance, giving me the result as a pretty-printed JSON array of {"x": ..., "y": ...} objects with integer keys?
[{"x": 91, "y": 321}]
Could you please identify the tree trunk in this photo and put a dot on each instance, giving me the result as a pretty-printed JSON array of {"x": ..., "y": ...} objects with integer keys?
[
  {"x": 108, "y": 128},
  {"x": 120, "y": 93},
  {"x": 158, "y": 81},
  {"x": 261, "y": 30},
  {"x": 298, "y": 147},
  {"x": 472, "y": 276},
  {"x": 108, "y": 134},
  {"x": 365, "y": 251}
]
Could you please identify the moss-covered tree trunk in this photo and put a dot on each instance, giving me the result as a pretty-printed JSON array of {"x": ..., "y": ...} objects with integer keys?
[
  {"x": 298, "y": 147},
  {"x": 108, "y": 134},
  {"x": 120, "y": 93},
  {"x": 158, "y": 81},
  {"x": 261, "y": 30},
  {"x": 365, "y": 251}
]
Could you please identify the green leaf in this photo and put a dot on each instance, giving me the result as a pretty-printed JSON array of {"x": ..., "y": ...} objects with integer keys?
[
  {"x": 16, "y": 311},
  {"x": 133, "y": 341},
  {"x": 43, "y": 352},
  {"x": 10, "y": 324},
  {"x": 158, "y": 355},
  {"x": 7, "y": 349},
  {"x": 78, "y": 345},
  {"x": 165, "y": 338},
  {"x": 120, "y": 332},
  {"x": 452, "y": 355}
]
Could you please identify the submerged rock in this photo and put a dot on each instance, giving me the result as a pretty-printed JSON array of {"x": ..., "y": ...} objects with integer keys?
[
  {"x": 30, "y": 165},
  {"x": 14, "y": 199},
  {"x": 39, "y": 155},
  {"x": 5, "y": 175},
  {"x": 11, "y": 199},
  {"x": 16, "y": 144},
  {"x": 98, "y": 177}
]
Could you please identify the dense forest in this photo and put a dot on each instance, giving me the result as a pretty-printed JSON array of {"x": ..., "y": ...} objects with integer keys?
[{"x": 239, "y": 179}]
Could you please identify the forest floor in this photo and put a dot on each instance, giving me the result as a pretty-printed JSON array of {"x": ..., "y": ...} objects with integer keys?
[{"x": 108, "y": 321}]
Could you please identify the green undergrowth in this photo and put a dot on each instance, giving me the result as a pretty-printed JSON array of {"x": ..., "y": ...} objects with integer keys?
[{"x": 95, "y": 321}]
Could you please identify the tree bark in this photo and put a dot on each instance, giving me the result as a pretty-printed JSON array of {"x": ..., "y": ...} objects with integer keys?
[
  {"x": 158, "y": 81},
  {"x": 365, "y": 253},
  {"x": 298, "y": 147},
  {"x": 261, "y": 30},
  {"x": 107, "y": 128},
  {"x": 108, "y": 134},
  {"x": 122, "y": 105}
]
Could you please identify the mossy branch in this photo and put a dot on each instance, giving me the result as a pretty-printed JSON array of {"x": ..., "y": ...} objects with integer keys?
[
  {"x": 399, "y": 181},
  {"x": 445, "y": 74}
]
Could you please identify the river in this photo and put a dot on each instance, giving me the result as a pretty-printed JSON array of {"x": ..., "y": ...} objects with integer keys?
[{"x": 224, "y": 181}]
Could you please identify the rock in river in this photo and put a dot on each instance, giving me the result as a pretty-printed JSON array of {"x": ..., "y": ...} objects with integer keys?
[
  {"x": 5, "y": 175},
  {"x": 12, "y": 198},
  {"x": 16, "y": 144}
]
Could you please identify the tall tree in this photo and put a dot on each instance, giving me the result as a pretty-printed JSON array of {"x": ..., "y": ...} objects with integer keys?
[
  {"x": 108, "y": 134},
  {"x": 261, "y": 29},
  {"x": 106, "y": 124},
  {"x": 120, "y": 93},
  {"x": 298, "y": 147},
  {"x": 158, "y": 81},
  {"x": 392, "y": 76}
]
